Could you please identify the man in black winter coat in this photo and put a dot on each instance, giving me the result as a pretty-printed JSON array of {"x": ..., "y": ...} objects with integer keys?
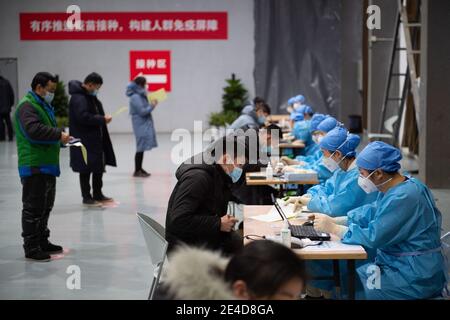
[
  {"x": 6, "y": 103},
  {"x": 88, "y": 122},
  {"x": 196, "y": 213}
]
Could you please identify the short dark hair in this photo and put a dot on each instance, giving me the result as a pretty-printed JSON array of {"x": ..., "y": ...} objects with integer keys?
[
  {"x": 94, "y": 78},
  {"x": 264, "y": 107},
  {"x": 258, "y": 100},
  {"x": 43, "y": 78},
  {"x": 265, "y": 266},
  {"x": 140, "y": 81},
  {"x": 230, "y": 143}
]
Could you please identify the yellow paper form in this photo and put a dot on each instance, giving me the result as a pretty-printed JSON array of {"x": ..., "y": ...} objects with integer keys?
[
  {"x": 83, "y": 150},
  {"x": 159, "y": 95},
  {"x": 119, "y": 111}
]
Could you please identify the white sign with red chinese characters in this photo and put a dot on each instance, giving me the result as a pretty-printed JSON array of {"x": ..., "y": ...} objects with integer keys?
[{"x": 154, "y": 66}]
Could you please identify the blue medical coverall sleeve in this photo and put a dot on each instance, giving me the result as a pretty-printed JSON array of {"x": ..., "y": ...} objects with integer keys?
[
  {"x": 312, "y": 153},
  {"x": 323, "y": 174},
  {"x": 345, "y": 195},
  {"x": 326, "y": 189},
  {"x": 383, "y": 229}
]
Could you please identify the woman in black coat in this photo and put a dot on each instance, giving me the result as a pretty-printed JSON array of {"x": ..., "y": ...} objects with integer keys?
[{"x": 88, "y": 122}]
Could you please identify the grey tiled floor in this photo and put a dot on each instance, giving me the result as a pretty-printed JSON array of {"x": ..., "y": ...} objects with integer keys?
[{"x": 106, "y": 244}]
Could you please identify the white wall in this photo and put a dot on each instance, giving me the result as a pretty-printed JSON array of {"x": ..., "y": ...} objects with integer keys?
[{"x": 199, "y": 67}]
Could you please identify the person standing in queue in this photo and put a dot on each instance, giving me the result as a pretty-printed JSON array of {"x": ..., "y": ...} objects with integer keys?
[
  {"x": 38, "y": 145},
  {"x": 88, "y": 122},
  {"x": 141, "y": 116},
  {"x": 6, "y": 103}
]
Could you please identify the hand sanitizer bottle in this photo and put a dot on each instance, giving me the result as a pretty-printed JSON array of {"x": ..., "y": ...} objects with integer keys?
[
  {"x": 286, "y": 235},
  {"x": 269, "y": 171}
]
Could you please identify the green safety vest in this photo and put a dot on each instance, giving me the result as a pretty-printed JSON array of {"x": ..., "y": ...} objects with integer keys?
[{"x": 36, "y": 156}]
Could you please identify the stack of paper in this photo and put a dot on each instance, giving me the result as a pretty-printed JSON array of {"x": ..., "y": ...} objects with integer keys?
[{"x": 335, "y": 246}]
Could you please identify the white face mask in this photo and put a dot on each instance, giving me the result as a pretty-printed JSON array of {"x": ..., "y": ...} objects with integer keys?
[
  {"x": 367, "y": 185},
  {"x": 319, "y": 139},
  {"x": 297, "y": 105},
  {"x": 330, "y": 163}
]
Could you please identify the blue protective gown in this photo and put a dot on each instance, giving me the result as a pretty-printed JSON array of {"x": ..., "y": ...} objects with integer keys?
[
  {"x": 339, "y": 194},
  {"x": 301, "y": 132},
  {"x": 403, "y": 227},
  {"x": 309, "y": 159},
  {"x": 311, "y": 150}
]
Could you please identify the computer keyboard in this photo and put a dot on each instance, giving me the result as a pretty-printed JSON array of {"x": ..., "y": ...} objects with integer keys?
[{"x": 308, "y": 232}]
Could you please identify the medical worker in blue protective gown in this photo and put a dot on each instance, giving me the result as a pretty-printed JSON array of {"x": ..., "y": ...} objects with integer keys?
[
  {"x": 295, "y": 104},
  {"x": 402, "y": 226},
  {"x": 340, "y": 193},
  {"x": 312, "y": 151},
  {"x": 322, "y": 171},
  {"x": 301, "y": 127}
]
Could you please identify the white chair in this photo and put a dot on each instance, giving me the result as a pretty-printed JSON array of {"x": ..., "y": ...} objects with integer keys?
[
  {"x": 445, "y": 241},
  {"x": 154, "y": 235}
]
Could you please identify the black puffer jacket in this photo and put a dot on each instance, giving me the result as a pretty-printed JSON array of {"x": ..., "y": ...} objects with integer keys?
[
  {"x": 87, "y": 122},
  {"x": 6, "y": 96},
  {"x": 198, "y": 201}
]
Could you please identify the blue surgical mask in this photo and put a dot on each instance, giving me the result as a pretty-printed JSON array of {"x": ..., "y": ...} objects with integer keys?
[
  {"x": 261, "y": 119},
  {"x": 235, "y": 174},
  {"x": 94, "y": 93},
  {"x": 49, "y": 97}
]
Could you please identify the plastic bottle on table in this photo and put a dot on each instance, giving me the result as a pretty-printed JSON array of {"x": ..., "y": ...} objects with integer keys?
[
  {"x": 286, "y": 235},
  {"x": 269, "y": 171}
]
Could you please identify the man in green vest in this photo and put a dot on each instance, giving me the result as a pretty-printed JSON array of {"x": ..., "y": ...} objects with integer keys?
[{"x": 38, "y": 145}]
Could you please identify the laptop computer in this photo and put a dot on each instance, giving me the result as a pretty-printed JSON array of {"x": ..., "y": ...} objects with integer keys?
[{"x": 300, "y": 231}]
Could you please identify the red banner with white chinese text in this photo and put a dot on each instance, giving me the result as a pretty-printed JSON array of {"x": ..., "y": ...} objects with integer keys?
[{"x": 126, "y": 26}]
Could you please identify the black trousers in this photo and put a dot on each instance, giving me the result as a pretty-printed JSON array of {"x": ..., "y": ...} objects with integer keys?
[
  {"x": 5, "y": 118},
  {"x": 97, "y": 184},
  {"x": 138, "y": 158},
  {"x": 38, "y": 197}
]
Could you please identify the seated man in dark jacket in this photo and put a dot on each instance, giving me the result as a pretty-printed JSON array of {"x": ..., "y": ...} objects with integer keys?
[
  {"x": 196, "y": 213},
  {"x": 264, "y": 144}
]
